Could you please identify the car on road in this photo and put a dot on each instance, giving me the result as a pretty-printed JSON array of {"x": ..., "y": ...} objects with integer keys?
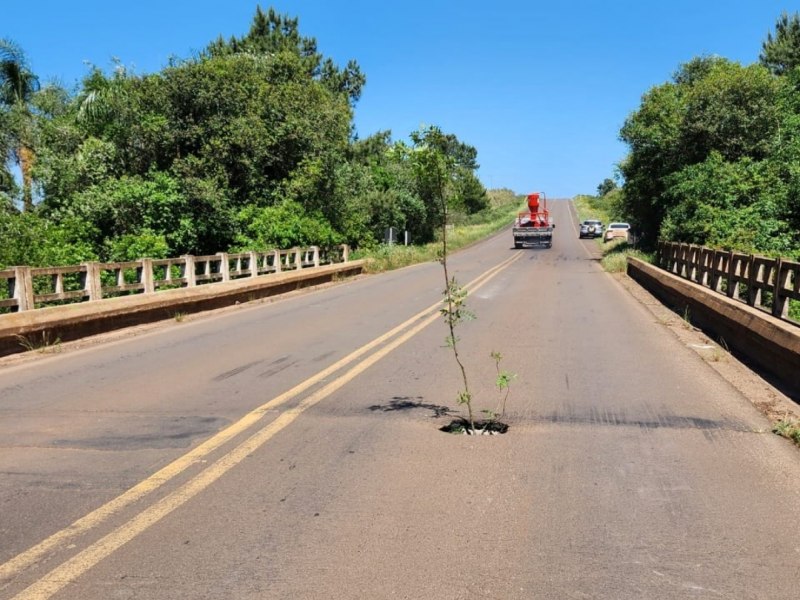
[
  {"x": 591, "y": 228},
  {"x": 616, "y": 230}
]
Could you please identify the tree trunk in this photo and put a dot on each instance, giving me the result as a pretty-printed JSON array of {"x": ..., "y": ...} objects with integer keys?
[{"x": 25, "y": 165}]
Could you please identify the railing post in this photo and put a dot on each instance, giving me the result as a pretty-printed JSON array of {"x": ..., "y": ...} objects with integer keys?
[
  {"x": 315, "y": 251},
  {"x": 224, "y": 266},
  {"x": 22, "y": 288},
  {"x": 188, "y": 270},
  {"x": 91, "y": 283},
  {"x": 716, "y": 278},
  {"x": 253, "y": 264},
  {"x": 276, "y": 261},
  {"x": 148, "y": 281},
  {"x": 345, "y": 253},
  {"x": 58, "y": 283},
  {"x": 780, "y": 303},
  {"x": 732, "y": 288},
  {"x": 298, "y": 258},
  {"x": 753, "y": 289},
  {"x": 691, "y": 273}
]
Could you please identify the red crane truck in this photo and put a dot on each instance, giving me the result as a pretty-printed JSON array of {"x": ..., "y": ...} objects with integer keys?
[{"x": 534, "y": 226}]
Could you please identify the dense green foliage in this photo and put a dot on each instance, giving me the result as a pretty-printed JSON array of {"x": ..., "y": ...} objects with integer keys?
[
  {"x": 715, "y": 153},
  {"x": 247, "y": 145}
]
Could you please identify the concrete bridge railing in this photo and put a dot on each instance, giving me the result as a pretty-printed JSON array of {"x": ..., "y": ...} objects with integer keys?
[
  {"x": 29, "y": 288},
  {"x": 761, "y": 282}
]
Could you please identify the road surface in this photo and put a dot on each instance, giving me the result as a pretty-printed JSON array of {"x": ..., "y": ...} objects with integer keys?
[{"x": 291, "y": 450}]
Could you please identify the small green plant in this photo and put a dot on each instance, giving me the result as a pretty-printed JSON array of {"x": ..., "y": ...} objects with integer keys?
[
  {"x": 502, "y": 383},
  {"x": 43, "y": 345},
  {"x": 687, "y": 318},
  {"x": 179, "y": 317},
  {"x": 788, "y": 428}
]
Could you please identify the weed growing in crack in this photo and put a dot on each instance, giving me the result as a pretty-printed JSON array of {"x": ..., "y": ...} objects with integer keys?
[
  {"x": 788, "y": 428},
  {"x": 43, "y": 345}
]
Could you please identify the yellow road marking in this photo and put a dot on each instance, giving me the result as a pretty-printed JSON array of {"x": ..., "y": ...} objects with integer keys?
[{"x": 70, "y": 570}]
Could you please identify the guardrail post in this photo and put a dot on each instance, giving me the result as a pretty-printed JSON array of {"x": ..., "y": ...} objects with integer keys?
[
  {"x": 147, "y": 279},
  {"x": 715, "y": 282},
  {"x": 224, "y": 266},
  {"x": 315, "y": 251},
  {"x": 780, "y": 302},
  {"x": 253, "y": 264},
  {"x": 753, "y": 290},
  {"x": 92, "y": 285},
  {"x": 732, "y": 288},
  {"x": 189, "y": 270},
  {"x": 276, "y": 260},
  {"x": 345, "y": 253},
  {"x": 690, "y": 274},
  {"x": 298, "y": 258},
  {"x": 22, "y": 288}
]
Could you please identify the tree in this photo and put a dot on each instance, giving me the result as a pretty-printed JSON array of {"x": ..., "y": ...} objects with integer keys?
[
  {"x": 18, "y": 84},
  {"x": 272, "y": 33},
  {"x": 712, "y": 105},
  {"x": 729, "y": 204},
  {"x": 732, "y": 110},
  {"x": 607, "y": 186},
  {"x": 652, "y": 133},
  {"x": 781, "y": 53}
]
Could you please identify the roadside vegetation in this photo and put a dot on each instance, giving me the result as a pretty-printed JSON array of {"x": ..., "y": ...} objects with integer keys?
[
  {"x": 788, "y": 428},
  {"x": 714, "y": 157},
  {"x": 607, "y": 207},
  {"x": 714, "y": 153},
  {"x": 247, "y": 145},
  {"x": 504, "y": 207}
]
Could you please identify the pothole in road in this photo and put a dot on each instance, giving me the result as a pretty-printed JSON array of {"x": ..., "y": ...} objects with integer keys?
[{"x": 461, "y": 427}]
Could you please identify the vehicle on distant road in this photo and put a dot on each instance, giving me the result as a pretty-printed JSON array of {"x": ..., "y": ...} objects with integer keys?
[
  {"x": 591, "y": 228},
  {"x": 534, "y": 226},
  {"x": 616, "y": 230}
]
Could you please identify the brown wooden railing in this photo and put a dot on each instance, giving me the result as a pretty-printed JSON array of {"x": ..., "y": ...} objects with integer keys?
[
  {"x": 765, "y": 283},
  {"x": 28, "y": 288}
]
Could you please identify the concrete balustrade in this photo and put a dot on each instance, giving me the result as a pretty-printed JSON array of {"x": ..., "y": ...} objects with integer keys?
[
  {"x": 29, "y": 288},
  {"x": 758, "y": 281}
]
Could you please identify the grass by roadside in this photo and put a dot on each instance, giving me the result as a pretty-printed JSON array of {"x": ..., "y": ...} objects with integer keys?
[
  {"x": 788, "y": 428},
  {"x": 616, "y": 252},
  {"x": 466, "y": 232}
]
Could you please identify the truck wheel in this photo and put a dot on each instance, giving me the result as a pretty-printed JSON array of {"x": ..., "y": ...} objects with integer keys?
[{"x": 517, "y": 245}]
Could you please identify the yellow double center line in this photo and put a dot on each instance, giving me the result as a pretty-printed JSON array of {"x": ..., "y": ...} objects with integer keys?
[{"x": 71, "y": 569}]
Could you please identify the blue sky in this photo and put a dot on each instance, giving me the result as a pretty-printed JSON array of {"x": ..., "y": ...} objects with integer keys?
[{"x": 539, "y": 88}]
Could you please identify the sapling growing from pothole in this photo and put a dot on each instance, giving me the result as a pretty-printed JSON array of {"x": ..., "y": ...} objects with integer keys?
[{"x": 436, "y": 170}]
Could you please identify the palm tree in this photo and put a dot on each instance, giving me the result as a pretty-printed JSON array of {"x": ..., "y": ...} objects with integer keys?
[{"x": 18, "y": 84}]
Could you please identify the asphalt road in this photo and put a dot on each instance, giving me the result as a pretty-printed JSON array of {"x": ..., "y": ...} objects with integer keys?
[{"x": 291, "y": 450}]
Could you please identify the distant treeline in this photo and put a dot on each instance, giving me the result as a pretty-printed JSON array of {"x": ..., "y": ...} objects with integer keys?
[
  {"x": 247, "y": 145},
  {"x": 715, "y": 153}
]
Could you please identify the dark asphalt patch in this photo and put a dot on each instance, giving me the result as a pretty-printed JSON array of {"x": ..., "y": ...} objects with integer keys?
[
  {"x": 661, "y": 421},
  {"x": 175, "y": 433}
]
